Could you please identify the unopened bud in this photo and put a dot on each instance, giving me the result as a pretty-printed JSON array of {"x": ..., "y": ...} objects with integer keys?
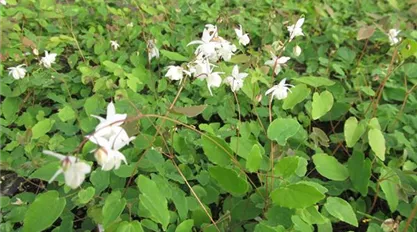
[{"x": 35, "y": 52}]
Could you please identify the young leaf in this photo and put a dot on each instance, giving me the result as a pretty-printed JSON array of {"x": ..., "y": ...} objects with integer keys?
[
  {"x": 315, "y": 81},
  {"x": 341, "y": 210},
  {"x": 153, "y": 200},
  {"x": 173, "y": 55},
  {"x": 297, "y": 95},
  {"x": 85, "y": 195},
  {"x": 253, "y": 161},
  {"x": 377, "y": 142},
  {"x": 42, "y": 127},
  {"x": 389, "y": 182},
  {"x": 360, "y": 172},
  {"x": 229, "y": 180},
  {"x": 296, "y": 196},
  {"x": 286, "y": 166},
  {"x": 329, "y": 167},
  {"x": 190, "y": 111},
  {"x": 216, "y": 150},
  {"x": 322, "y": 103},
  {"x": 134, "y": 226},
  {"x": 113, "y": 207},
  {"x": 185, "y": 226},
  {"x": 43, "y": 212},
  {"x": 281, "y": 129},
  {"x": 353, "y": 131}
]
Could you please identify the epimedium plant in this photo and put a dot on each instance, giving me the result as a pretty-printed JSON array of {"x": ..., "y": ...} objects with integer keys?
[{"x": 281, "y": 117}]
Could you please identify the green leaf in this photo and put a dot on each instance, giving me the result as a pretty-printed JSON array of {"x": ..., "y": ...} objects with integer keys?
[
  {"x": 341, "y": 210},
  {"x": 286, "y": 166},
  {"x": 41, "y": 128},
  {"x": 239, "y": 59},
  {"x": 10, "y": 106},
  {"x": 229, "y": 180},
  {"x": 312, "y": 215},
  {"x": 296, "y": 196},
  {"x": 153, "y": 200},
  {"x": 315, "y": 81},
  {"x": 359, "y": 172},
  {"x": 44, "y": 211},
  {"x": 322, "y": 103},
  {"x": 85, "y": 195},
  {"x": 173, "y": 55},
  {"x": 134, "y": 226},
  {"x": 66, "y": 113},
  {"x": 389, "y": 182},
  {"x": 216, "y": 150},
  {"x": 353, "y": 131},
  {"x": 113, "y": 207},
  {"x": 408, "y": 48},
  {"x": 377, "y": 142},
  {"x": 47, "y": 171},
  {"x": 185, "y": 226},
  {"x": 297, "y": 95},
  {"x": 329, "y": 167},
  {"x": 281, "y": 129},
  {"x": 253, "y": 161},
  {"x": 190, "y": 111},
  {"x": 180, "y": 202}
]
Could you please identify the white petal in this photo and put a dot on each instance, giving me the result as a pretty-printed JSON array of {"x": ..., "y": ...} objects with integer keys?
[
  {"x": 56, "y": 175},
  {"x": 271, "y": 90},
  {"x": 54, "y": 154},
  {"x": 299, "y": 22}
]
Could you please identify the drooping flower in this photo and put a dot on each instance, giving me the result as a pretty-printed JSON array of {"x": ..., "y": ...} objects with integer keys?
[
  {"x": 236, "y": 79},
  {"x": 243, "y": 38},
  {"x": 175, "y": 73},
  {"x": 213, "y": 80},
  {"x": 74, "y": 170},
  {"x": 108, "y": 155},
  {"x": 276, "y": 62},
  {"x": 392, "y": 36},
  {"x": 207, "y": 47},
  {"x": 107, "y": 126},
  {"x": 295, "y": 29},
  {"x": 153, "y": 51},
  {"x": 17, "y": 72},
  {"x": 48, "y": 59},
  {"x": 297, "y": 51},
  {"x": 279, "y": 91},
  {"x": 200, "y": 68},
  {"x": 226, "y": 50},
  {"x": 114, "y": 44}
]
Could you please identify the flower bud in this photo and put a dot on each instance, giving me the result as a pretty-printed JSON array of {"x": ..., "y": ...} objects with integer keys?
[{"x": 101, "y": 156}]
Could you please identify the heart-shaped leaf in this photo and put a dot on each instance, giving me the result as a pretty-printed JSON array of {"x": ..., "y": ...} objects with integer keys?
[
  {"x": 322, "y": 103},
  {"x": 353, "y": 131}
]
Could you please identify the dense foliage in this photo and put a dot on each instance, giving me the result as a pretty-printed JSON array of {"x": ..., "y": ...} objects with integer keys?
[{"x": 203, "y": 130}]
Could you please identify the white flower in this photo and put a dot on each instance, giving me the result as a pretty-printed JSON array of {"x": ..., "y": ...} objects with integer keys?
[
  {"x": 152, "y": 50},
  {"x": 226, "y": 50},
  {"x": 277, "y": 62},
  {"x": 108, "y": 155},
  {"x": 201, "y": 68},
  {"x": 107, "y": 126},
  {"x": 279, "y": 91},
  {"x": 130, "y": 24},
  {"x": 3, "y": 2},
  {"x": 35, "y": 52},
  {"x": 48, "y": 59},
  {"x": 236, "y": 79},
  {"x": 17, "y": 72},
  {"x": 114, "y": 44},
  {"x": 295, "y": 30},
  {"x": 175, "y": 73},
  {"x": 392, "y": 36},
  {"x": 243, "y": 38},
  {"x": 296, "y": 50},
  {"x": 74, "y": 170},
  {"x": 213, "y": 80}
]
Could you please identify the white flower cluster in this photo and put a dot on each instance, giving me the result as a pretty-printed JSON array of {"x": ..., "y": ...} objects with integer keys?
[
  {"x": 110, "y": 138},
  {"x": 211, "y": 48},
  {"x": 19, "y": 72}
]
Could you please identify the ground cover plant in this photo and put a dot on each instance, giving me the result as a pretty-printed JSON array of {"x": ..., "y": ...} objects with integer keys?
[{"x": 208, "y": 115}]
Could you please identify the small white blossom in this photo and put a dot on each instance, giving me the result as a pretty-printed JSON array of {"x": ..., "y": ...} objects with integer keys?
[
  {"x": 130, "y": 24},
  {"x": 236, "y": 79},
  {"x": 3, "y": 2},
  {"x": 74, "y": 170},
  {"x": 226, "y": 50},
  {"x": 279, "y": 91},
  {"x": 297, "y": 51},
  {"x": 114, "y": 44},
  {"x": 277, "y": 62},
  {"x": 152, "y": 50},
  {"x": 35, "y": 52},
  {"x": 17, "y": 72},
  {"x": 108, "y": 126},
  {"x": 243, "y": 38},
  {"x": 296, "y": 30},
  {"x": 175, "y": 73},
  {"x": 392, "y": 36},
  {"x": 213, "y": 80},
  {"x": 108, "y": 155},
  {"x": 48, "y": 59}
]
